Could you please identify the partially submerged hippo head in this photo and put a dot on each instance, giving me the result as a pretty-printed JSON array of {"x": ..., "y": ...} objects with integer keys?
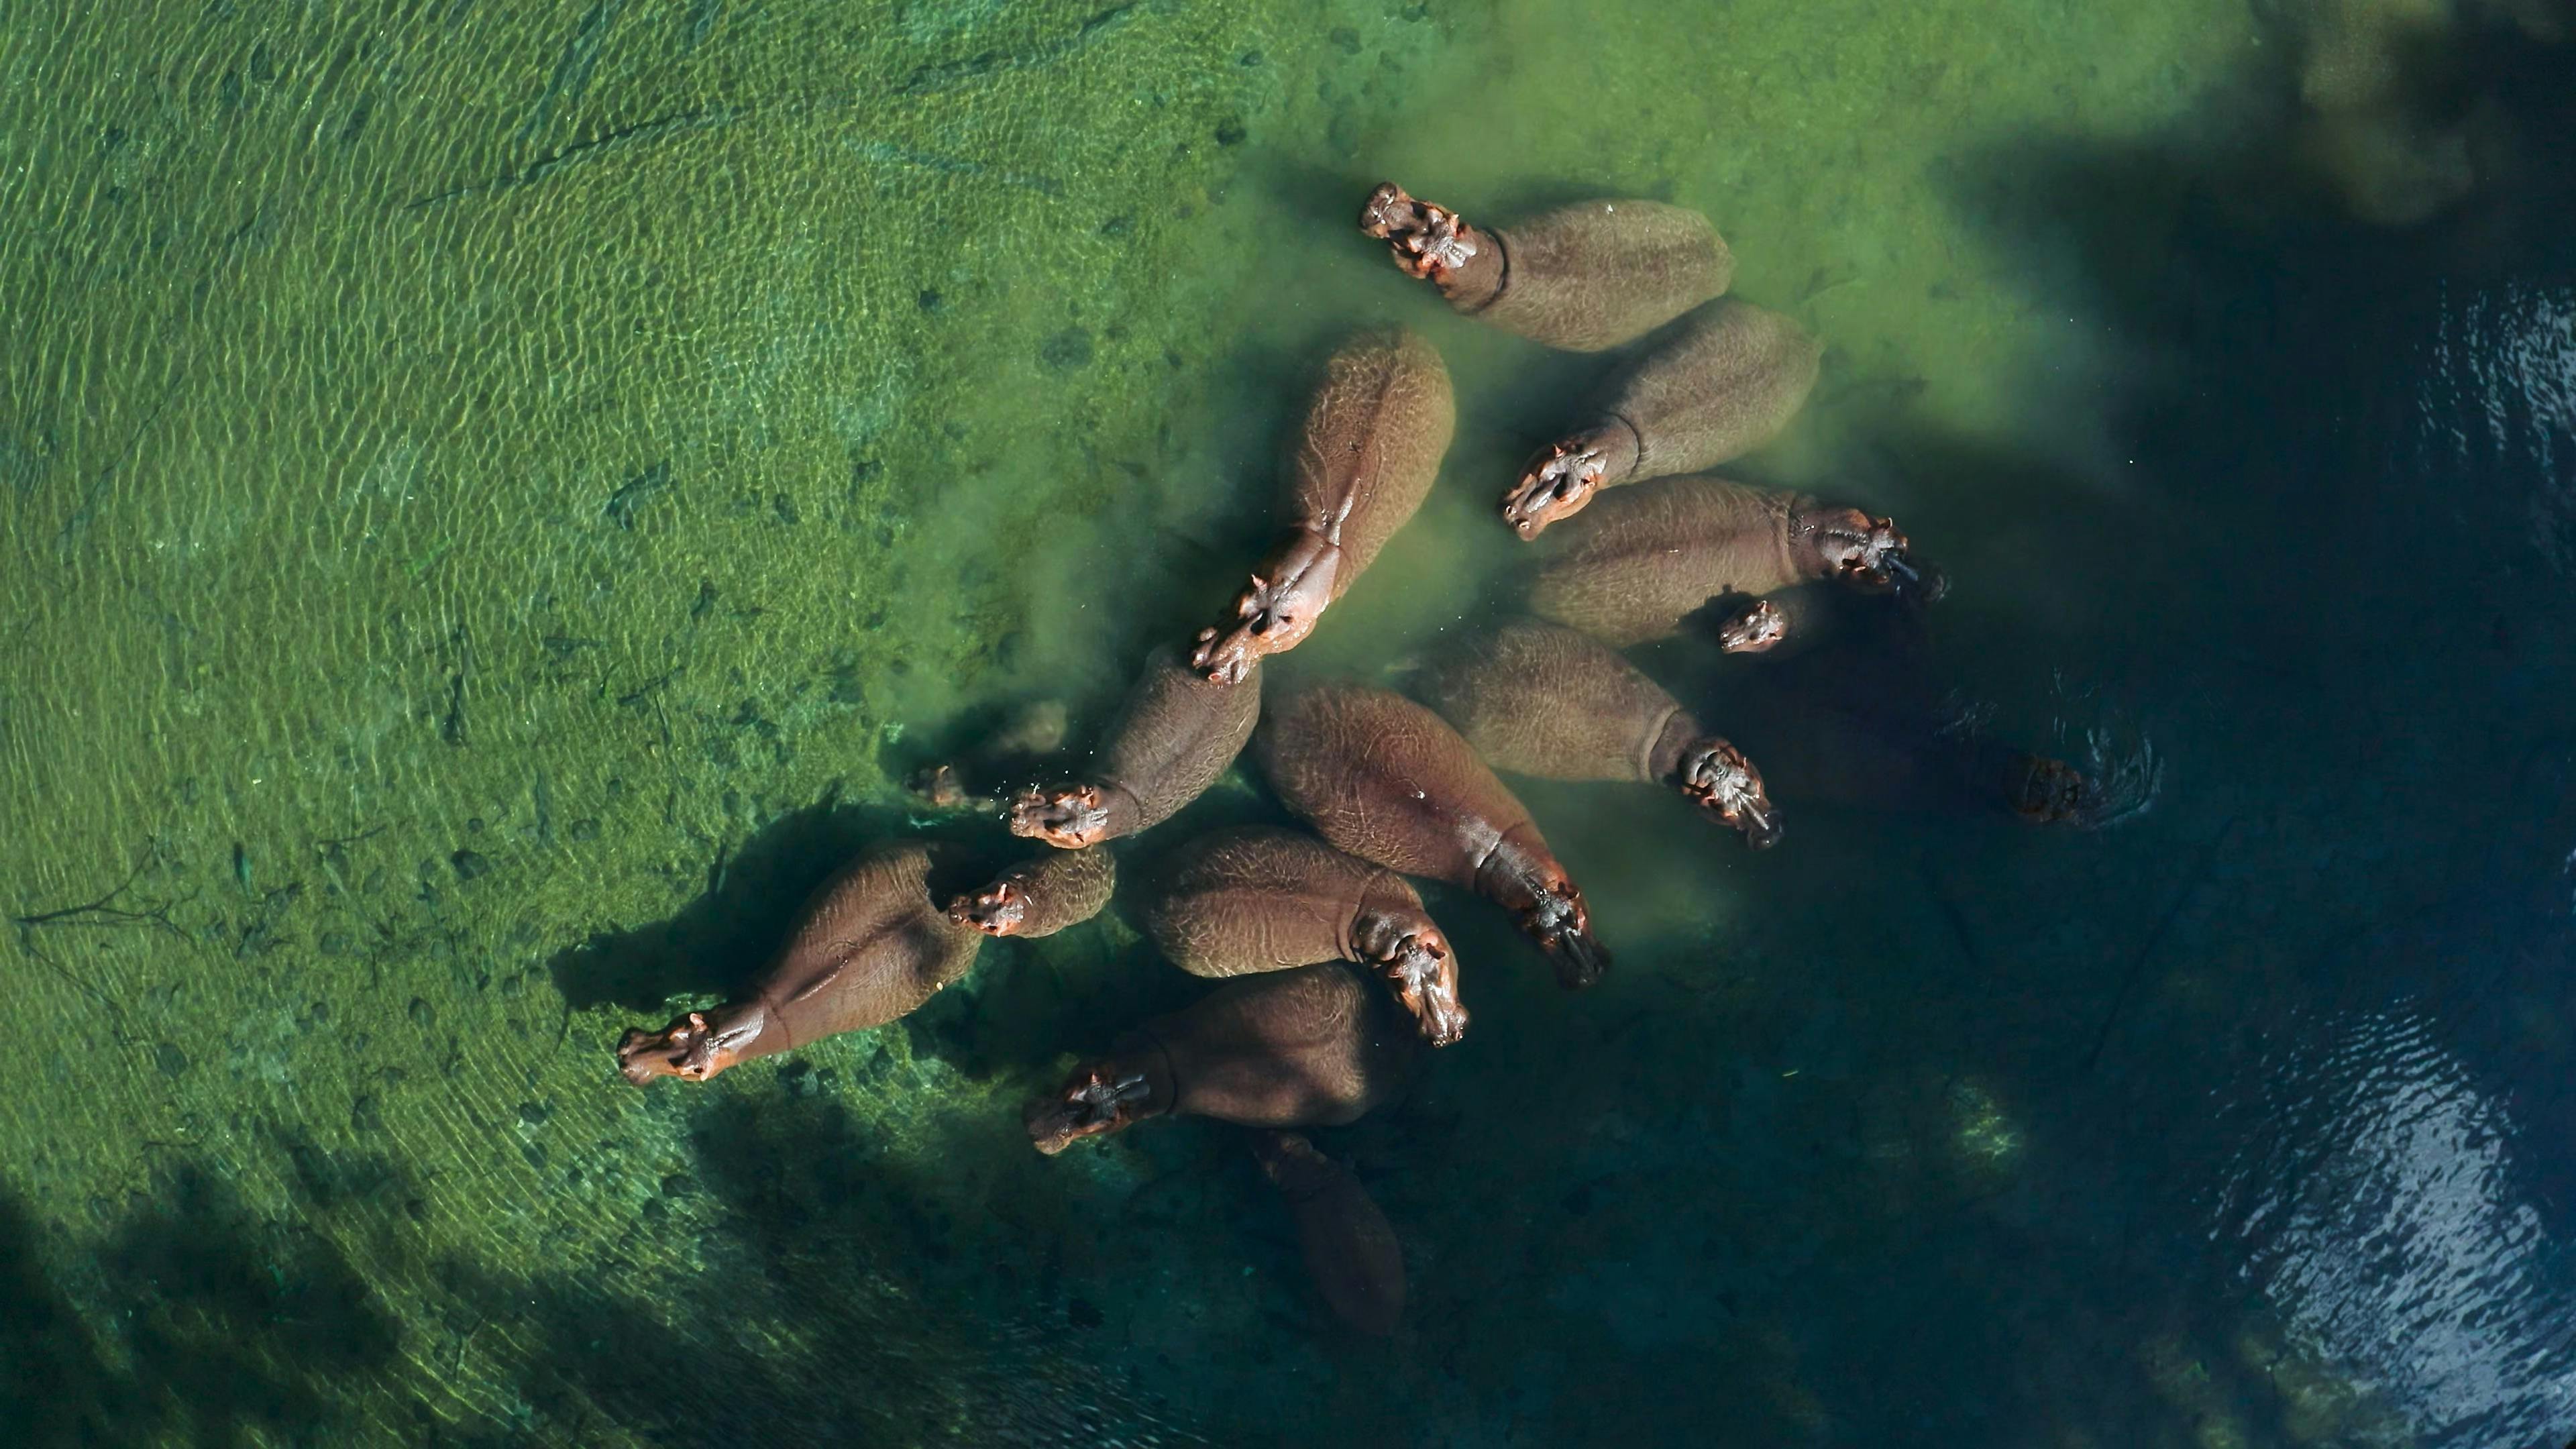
[
  {"x": 695, "y": 1046},
  {"x": 1427, "y": 241},
  {"x": 1068, "y": 818},
  {"x": 1557, "y": 483},
  {"x": 1856, "y": 548},
  {"x": 1717, "y": 777},
  {"x": 2044, "y": 791},
  {"x": 996, "y": 910},
  {"x": 1424, "y": 975},
  {"x": 1755, "y": 628},
  {"x": 1274, "y": 614},
  {"x": 1093, "y": 1101},
  {"x": 1561, "y": 924}
]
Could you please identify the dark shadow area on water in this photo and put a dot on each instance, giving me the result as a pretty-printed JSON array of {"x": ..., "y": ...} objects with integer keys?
[
  {"x": 2321, "y": 616},
  {"x": 824, "y": 1291},
  {"x": 222, "y": 1326}
]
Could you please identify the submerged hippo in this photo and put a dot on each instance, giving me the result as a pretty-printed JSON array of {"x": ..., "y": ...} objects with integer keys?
[
  {"x": 1641, "y": 560},
  {"x": 1028, "y": 734},
  {"x": 1264, "y": 899},
  {"x": 1387, "y": 780},
  {"x": 1175, "y": 736},
  {"x": 1317, "y": 1046},
  {"x": 1349, "y": 1246},
  {"x": 1542, "y": 699},
  {"x": 1366, "y": 457},
  {"x": 1864, "y": 723},
  {"x": 1726, "y": 382},
  {"x": 1582, "y": 277}
]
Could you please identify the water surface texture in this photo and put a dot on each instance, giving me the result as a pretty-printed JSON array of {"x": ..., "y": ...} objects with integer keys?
[{"x": 493, "y": 498}]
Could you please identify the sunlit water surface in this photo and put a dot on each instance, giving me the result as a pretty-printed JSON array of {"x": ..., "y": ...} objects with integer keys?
[{"x": 493, "y": 498}]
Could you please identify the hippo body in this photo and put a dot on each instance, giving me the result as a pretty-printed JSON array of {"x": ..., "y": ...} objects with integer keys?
[
  {"x": 1728, "y": 380},
  {"x": 1371, "y": 445},
  {"x": 1385, "y": 779},
  {"x": 1350, "y": 1248},
  {"x": 1584, "y": 277},
  {"x": 1264, "y": 899},
  {"x": 1313, "y": 1046},
  {"x": 1541, "y": 699},
  {"x": 870, "y": 948},
  {"x": 1641, "y": 560},
  {"x": 1176, "y": 735}
]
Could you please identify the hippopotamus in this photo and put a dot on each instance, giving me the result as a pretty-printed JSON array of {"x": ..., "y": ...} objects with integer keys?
[
  {"x": 1370, "y": 448},
  {"x": 1387, "y": 780},
  {"x": 1541, "y": 699},
  {"x": 1041, "y": 896},
  {"x": 1583, "y": 277},
  {"x": 1350, "y": 1248},
  {"x": 1641, "y": 560},
  {"x": 1029, "y": 733},
  {"x": 1865, "y": 723},
  {"x": 870, "y": 947},
  {"x": 1316, "y": 1046},
  {"x": 1176, "y": 734},
  {"x": 1726, "y": 382},
  {"x": 1259, "y": 898}
]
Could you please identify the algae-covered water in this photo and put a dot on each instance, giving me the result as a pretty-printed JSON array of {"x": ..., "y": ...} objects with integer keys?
[{"x": 493, "y": 499}]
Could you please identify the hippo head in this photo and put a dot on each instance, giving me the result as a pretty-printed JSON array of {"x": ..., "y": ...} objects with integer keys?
[
  {"x": 1853, "y": 547},
  {"x": 1426, "y": 241},
  {"x": 1096, "y": 1099},
  {"x": 2043, "y": 791},
  {"x": 1276, "y": 612},
  {"x": 694, "y": 1047},
  {"x": 1558, "y": 920},
  {"x": 1068, "y": 818},
  {"x": 998, "y": 909},
  {"x": 1424, "y": 976},
  {"x": 1753, "y": 629},
  {"x": 1717, "y": 777},
  {"x": 1556, "y": 484}
]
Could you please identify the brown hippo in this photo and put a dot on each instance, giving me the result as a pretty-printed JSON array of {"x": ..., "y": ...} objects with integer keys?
[
  {"x": 1259, "y": 898},
  {"x": 1350, "y": 1247},
  {"x": 1041, "y": 896},
  {"x": 871, "y": 948},
  {"x": 1582, "y": 277},
  {"x": 1388, "y": 781},
  {"x": 1725, "y": 383},
  {"x": 1176, "y": 734},
  {"x": 1865, "y": 723},
  {"x": 1642, "y": 559},
  {"x": 1371, "y": 446},
  {"x": 1542, "y": 699},
  {"x": 1316, "y": 1046}
]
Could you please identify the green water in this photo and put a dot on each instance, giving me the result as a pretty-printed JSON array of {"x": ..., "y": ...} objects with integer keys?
[{"x": 492, "y": 499}]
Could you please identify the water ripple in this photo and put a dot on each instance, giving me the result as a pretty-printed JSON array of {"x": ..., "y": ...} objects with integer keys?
[
  {"x": 2496, "y": 396},
  {"x": 2377, "y": 1207}
]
